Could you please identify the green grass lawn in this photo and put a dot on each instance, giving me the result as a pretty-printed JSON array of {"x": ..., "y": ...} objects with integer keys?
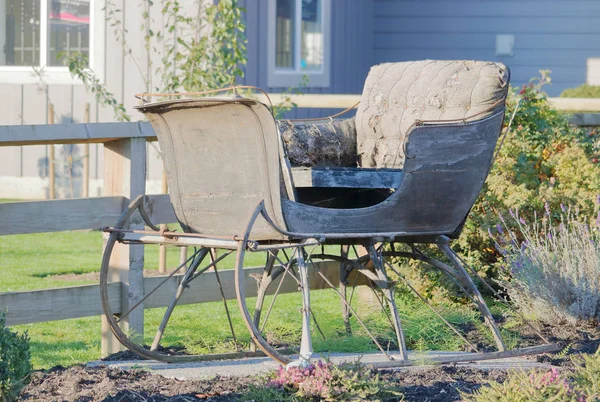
[{"x": 33, "y": 261}]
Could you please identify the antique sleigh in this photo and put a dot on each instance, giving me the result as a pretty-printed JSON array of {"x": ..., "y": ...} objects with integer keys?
[{"x": 425, "y": 134}]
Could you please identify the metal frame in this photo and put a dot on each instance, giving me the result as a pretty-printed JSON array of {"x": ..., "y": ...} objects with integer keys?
[{"x": 378, "y": 278}]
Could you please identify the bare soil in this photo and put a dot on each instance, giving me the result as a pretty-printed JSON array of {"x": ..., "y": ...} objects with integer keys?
[
  {"x": 79, "y": 383},
  {"x": 114, "y": 385}
]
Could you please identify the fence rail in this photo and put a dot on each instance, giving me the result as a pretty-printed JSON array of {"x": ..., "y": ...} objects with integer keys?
[
  {"x": 334, "y": 101},
  {"x": 124, "y": 179},
  {"x": 84, "y": 300},
  {"x": 75, "y": 214}
]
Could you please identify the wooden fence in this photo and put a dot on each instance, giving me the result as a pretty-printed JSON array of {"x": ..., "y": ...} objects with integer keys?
[{"x": 124, "y": 179}]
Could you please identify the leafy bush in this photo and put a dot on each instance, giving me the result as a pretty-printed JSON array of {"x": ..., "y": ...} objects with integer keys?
[
  {"x": 544, "y": 159},
  {"x": 582, "y": 91},
  {"x": 15, "y": 364},
  {"x": 537, "y": 386},
  {"x": 552, "y": 266},
  {"x": 325, "y": 381},
  {"x": 586, "y": 376},
  {"x": 581, "y": 384}
]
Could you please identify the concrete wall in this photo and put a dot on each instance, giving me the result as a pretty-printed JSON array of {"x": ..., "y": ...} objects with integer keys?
[{"x": 559, "y": 35}]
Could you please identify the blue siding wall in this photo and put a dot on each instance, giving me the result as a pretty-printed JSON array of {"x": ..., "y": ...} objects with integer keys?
[
  {"x": 351, "y": 48},
  {"x": 559, "y": 35}
]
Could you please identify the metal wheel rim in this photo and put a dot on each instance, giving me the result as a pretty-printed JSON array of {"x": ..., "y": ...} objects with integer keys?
[
  {"x": 125, "y": 340},
  {"x": 254, "y": 330},
  {"x": 247, "y": 318}
]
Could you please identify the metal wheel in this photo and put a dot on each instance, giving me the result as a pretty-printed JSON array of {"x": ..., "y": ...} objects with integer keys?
[
  {"x": 276, "y": 304},
  {"x": 170, "y": 288}
]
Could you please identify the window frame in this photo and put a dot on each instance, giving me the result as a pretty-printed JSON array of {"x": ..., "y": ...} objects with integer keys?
[
  {"x": 278, "y": 77},
  {"x": 55, "y": 75}
]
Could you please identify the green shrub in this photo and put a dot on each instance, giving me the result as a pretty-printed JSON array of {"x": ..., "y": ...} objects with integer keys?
[
  {"x": 15, "y": 364},
  {"x": 552, "y": 266},
  {"x": 582, "y": 91},
  {"x": 544, "y": 159},
  {"x": 587, "y": 376},
  {"x": 582, "y": 384},
  {"x": 536, "y": 386}
]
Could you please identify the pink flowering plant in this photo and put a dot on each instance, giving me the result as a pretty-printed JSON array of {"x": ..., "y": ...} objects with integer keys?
[{"x": 326, "y": 381}]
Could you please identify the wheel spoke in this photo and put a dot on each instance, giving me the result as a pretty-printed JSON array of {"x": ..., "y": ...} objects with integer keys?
[
  {"x": 317, "y": 325},
  {"x": 182, "y": 285},
  {"x": 263, "y": 286},
  {"x": 287, "y": 267},
  {"x": 212, "y": 264},
  {"x": 353, "y": 289},
  {"x": 213, "y": 260},
  {"x": 452, "y": 327},
  {"x": 147, "y": 295},
  {"x": 376, "y": 258},
  {"x": 262, "y": 327},
  {"x": 380, "y": 301},
  {"x": 361, "y": 322}
]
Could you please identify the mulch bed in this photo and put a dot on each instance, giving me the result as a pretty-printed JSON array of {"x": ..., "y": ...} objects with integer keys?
[
  {"x": 97, "y": 384},
  {"x": 79, "y": 383}
]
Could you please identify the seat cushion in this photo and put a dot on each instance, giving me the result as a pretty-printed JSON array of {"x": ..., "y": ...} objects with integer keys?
[
  {"x": 396, "y": 95},
  {"x": 319, "y": 144}
]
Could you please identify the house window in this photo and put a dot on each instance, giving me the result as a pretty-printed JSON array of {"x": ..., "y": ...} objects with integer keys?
[
  {"x": 68, "y": 29},
  {"x": 36, "y": 32},
  {"x": 299, "y": 42}
]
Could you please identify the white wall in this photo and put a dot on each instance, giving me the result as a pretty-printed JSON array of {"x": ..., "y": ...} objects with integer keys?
[
  {"x": 593, "y": 71},
  {"x": 36, "y": 188}
]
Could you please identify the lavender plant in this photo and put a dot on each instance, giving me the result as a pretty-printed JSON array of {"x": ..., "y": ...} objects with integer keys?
[{"x": 551, "y": 265}]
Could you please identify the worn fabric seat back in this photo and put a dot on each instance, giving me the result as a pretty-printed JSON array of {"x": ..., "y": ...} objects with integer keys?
[
  {"x": 397, "y": 96},
  {"x": 221, "y": 156}
]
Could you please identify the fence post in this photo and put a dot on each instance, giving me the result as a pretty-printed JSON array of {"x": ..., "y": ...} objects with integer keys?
[
  {"x": 162, "y": 249},
  {"x": 51, "y": 159},
  {"x": 125, "y": 175},
  {"x": 85, "y": 183}
]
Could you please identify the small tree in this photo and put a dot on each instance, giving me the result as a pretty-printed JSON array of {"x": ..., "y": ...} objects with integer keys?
[
  {"x": 198, "y": 52},
  {"x": 210, "y": 47}
]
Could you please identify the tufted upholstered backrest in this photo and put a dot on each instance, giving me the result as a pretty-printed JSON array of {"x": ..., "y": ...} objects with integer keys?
[{"x": 396, "y": 95}]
